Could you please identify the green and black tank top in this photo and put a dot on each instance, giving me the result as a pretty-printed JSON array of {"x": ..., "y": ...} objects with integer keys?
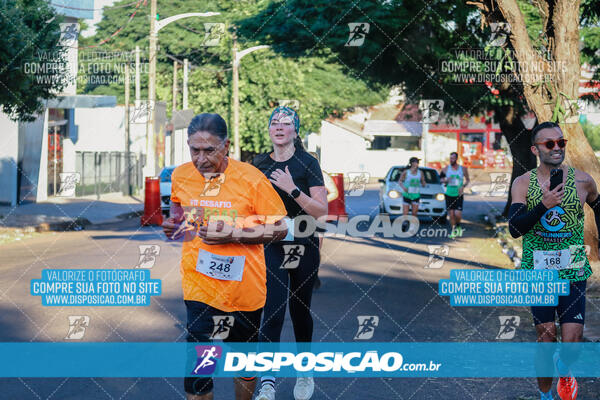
[{"x": 560, "y": 228}]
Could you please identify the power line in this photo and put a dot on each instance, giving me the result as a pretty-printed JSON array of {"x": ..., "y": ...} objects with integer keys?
[{"x": 137, "y": 7}]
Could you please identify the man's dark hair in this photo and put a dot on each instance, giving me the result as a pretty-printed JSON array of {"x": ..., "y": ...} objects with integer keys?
[
  {"x": 207, "y": 122},
  {"x": 539, "y": 127},
  {"x": 455, "y": 153}
]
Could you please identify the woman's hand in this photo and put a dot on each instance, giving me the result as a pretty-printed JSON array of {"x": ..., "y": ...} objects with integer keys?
[{"x": 283, "y": 180}]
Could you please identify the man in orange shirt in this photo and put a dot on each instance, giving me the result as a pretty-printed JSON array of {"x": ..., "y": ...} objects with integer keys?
[{"x": 226, "y": 210}]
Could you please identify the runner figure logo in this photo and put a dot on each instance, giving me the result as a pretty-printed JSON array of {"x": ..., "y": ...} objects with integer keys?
[
  {"x": 222, "y": 325},
  {"x": 366, "y": 326},
  {"x": 551, "y": 220},
  {"x": 291, "y": 256},
  {"x": 212, "y": 186},
  {"x": 358, "y": 33},
  {"x": 206, "y": 362},
  {"x": 508, "y": 326},
  {"x": 148, "y": 254},
  {"x": 357, "y": 182},
  {"x": 192, "y": 221},
  {"x": 213, "y": 33},
  {"x": 69, "y": 32},
  {"x": 437, "y": 256},
  {"x": 77, "y": 325},
  {"x": 500, "y": 33},
  {"x": 68, "y": 182},
  {"x": 431, "y": 110},
  {"x": 499, "y": 184},
  {"x": 141, "y": 112}
]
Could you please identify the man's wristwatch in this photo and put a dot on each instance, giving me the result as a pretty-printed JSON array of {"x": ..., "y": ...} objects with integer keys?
[{"x": 295, "y": 193}]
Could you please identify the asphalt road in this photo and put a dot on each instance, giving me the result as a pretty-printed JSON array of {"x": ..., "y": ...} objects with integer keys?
[{"x": 361, "y": 276}]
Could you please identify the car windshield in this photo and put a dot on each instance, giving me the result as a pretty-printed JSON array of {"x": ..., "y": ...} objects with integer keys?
[
  {"x": 165, "y": 174},
  {"x": 431, "y": 176}
]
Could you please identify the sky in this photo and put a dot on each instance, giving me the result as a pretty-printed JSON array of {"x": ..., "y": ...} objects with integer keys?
[{"x": 98, "y": 5}]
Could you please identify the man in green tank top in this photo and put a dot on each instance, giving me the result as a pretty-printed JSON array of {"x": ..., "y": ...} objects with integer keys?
[
  {"x": 551, "y": 222},
  {"x": 456, "y": 178},
  {"x": 411, "y": 180}
]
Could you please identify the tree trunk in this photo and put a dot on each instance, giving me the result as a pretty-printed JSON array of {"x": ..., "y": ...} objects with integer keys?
[
  {"x": 519, "y": 140},
  {"x": 561, "y": 19}
]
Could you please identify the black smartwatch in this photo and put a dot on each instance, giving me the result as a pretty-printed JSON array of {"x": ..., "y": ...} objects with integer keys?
[{"x": 295, "y": 193}]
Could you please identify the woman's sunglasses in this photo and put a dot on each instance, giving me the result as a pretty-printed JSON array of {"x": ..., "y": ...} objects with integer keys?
[{"x": 550, "y": 143}]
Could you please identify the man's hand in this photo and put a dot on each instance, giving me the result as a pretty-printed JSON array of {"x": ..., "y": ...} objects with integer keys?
[
  {"x": 216, "y": 232},
  {"x": 552, "y": 198},
  {"x": 170, "y": 226}
]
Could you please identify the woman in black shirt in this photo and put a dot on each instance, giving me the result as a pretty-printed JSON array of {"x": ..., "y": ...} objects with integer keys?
[{"x": 291, "y": 265}]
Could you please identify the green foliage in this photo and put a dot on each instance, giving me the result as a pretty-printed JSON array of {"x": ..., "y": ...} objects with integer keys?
[
  {"x": 30, "y": 34},
  {"x": 592, "y": 133},
  {"x": 405, "y": 44},
  {"x": 318, "y": 82}
]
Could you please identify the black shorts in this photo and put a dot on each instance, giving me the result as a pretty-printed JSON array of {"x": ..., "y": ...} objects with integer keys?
[
  {"x": 200, "y": 327},
  {"x": 454, "y": 202},
  {"x": 408, "y": 201},
  {"x": 570, "y": 308}
]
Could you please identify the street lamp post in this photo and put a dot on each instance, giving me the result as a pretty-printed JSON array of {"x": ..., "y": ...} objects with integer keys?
[
  {"x": 156, "y": 26},
  {"x": 237, "y": 152}
]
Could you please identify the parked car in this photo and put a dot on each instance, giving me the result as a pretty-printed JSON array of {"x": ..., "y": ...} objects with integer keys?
[
  {"x": 432, "y": 204},
  {"x": 165, "y": 188}
]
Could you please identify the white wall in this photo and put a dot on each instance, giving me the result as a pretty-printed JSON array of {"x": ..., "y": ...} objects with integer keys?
[
  {"x": 440, "y": 146},
  {"x": 32, "y": 130},
  {"x": 182, "y": 151},
  {"x": 100, "y": 129},
  {"x": 9, "y": 154},
  {"x": 343, "y": 151}
]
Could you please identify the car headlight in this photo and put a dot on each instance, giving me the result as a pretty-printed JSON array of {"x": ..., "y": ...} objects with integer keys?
[
  {"x": 440, "y": 197},
  {"x": 393, "y": 194}
]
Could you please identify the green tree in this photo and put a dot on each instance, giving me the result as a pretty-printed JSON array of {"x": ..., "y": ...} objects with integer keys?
[
  {"x": 30, "y": 34},
  {"x": 321, "y": 85},
  {"x": 592, "y": 134},
  {"x": 408, "y": 43}
]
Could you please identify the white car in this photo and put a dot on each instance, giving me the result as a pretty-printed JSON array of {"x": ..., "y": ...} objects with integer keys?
[
  {"x": 432, "y": 204},
  {"x": 165, "y": 188}
]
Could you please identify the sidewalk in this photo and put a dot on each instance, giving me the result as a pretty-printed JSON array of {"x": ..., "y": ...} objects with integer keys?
[{"x": 70, "y": 213}]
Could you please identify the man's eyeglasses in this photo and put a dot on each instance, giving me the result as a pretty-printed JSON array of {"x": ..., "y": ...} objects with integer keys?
[{"x": 550, "y": 143}]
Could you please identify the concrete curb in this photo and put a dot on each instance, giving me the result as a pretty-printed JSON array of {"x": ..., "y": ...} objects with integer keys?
[{"x": 62, "y": 224}]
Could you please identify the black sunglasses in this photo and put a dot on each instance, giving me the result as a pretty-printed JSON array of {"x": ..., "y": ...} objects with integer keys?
[{"x": 550, "y": 143}]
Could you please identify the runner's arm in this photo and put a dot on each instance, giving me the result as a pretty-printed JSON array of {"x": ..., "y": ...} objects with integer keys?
[
  {"x": 467, "y": 178},
  {"x": 520, "y": 221},
  {"x": 401, "y": 180},
  {"x": 315, "y": 205},
  {"x": 593, "y": 200},
  {"x": 216, "y": 232},
  {"x": 423, "y": 183},
  {"x": 171, "y": 224}
]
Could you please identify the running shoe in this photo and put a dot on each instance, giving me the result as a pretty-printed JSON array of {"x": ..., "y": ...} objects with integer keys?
[
  {"x": 567, "y": 388},
  {"x": 267, "y": 392},
  {"x": 304, "y": 388}
]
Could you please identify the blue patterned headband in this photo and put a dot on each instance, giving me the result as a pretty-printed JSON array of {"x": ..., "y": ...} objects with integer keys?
[{"x": 288, "y": 112}]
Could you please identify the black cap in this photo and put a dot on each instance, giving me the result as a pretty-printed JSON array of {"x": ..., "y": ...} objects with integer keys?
[{"x": 413, "y": 159}]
